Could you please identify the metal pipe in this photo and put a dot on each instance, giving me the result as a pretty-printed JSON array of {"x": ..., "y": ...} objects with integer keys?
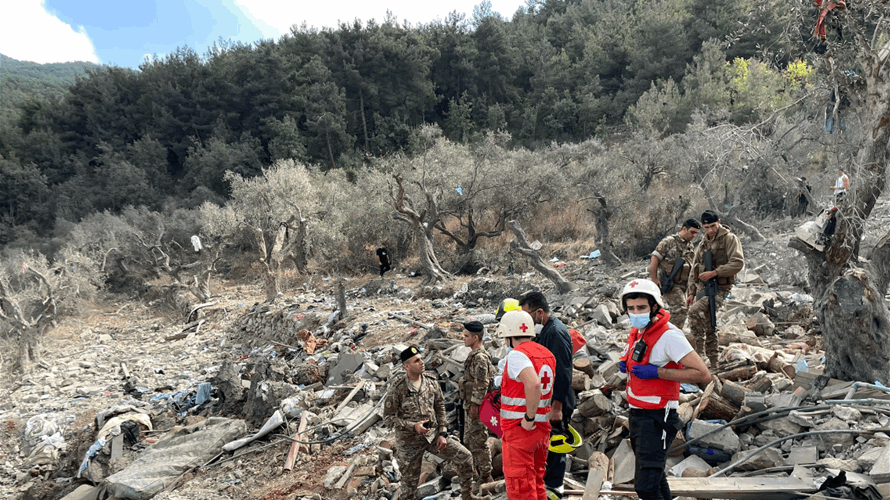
[{"x": 732, "y": 467}]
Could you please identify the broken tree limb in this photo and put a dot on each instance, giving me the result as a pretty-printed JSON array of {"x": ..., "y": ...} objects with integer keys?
[{"x": 522, "y": 245}]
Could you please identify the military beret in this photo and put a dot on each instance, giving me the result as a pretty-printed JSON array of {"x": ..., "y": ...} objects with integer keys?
[
  {"x": 409, "y": 353},
  {"x": 709, "y": 216},
  {"x": 474, "y": 327}
]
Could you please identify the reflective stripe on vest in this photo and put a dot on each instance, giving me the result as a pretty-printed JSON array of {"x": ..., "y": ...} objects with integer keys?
[
  {"x": 513, "y": 403},
  {"x": 651, "y": 394}
]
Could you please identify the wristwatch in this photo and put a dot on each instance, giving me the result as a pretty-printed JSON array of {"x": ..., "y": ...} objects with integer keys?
[
  {"x": 443, "y": 434},
  {"x": 527, "y": 419}
]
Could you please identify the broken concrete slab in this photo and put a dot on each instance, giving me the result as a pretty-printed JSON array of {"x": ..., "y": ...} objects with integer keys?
[
  {"x": 692, "y": 461},
  {"x": 346, "y": 365},
  {"x": 803, "y": 455},
  {"x": 725, "y": 439},
  {"x": 780, "y": 426},
  {"x": 882, "y": 464},
  {"x": 767, "y": 458}
]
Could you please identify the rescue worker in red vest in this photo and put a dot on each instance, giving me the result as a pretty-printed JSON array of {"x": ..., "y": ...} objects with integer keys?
[
  {"x": 526, "y": 391},
  {"x": 657, "y": 358}
]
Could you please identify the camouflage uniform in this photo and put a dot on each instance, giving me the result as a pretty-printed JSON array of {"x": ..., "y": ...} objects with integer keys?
[
  {"x": 728, "y": 261},
  {"x": 475, "y": 384},
  {"x": 403, "y": 407},
  {"x": 668, "y": 251}
]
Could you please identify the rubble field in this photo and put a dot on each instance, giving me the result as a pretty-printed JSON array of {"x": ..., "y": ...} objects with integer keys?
[{"x": 284, "y": 401}]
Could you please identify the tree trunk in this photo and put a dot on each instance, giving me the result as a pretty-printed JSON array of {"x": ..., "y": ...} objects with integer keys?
[
  {"x": 432, "y": 271},
  {"x": 601, "y": 222},
  {"x": 422, "y": 224},
  {"x": 524, "y": 247},
  {"x": 270, "y": 278},
  {"x": 849, "y": 297}
]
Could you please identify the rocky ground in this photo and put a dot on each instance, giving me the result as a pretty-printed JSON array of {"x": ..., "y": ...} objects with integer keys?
[{"x": 126, "y": 358}]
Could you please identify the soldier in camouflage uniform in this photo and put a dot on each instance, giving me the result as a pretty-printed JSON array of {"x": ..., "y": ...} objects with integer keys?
[
  {"x": 475, "y": 384},
  {"x": 414, "y": 399},
  {"x": 667, "y": 252},
  {"x": 728, "y": 261}
]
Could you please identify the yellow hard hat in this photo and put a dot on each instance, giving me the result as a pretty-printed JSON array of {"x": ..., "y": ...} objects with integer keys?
[
  {"x": 561, "y": 443},
  {"x": 505, "y": 306}
]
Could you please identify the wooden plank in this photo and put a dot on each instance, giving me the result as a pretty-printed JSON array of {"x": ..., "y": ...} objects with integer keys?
[
  {"x": 348, "y": 473},
  {"x": 599, "y": 467},
  {"x": 296, "y": 447},
  {"x": 351, "y": 395},
  {"x": 744, "y": 488}
]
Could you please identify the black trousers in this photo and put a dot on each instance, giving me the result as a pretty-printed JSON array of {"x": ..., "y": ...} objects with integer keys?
[
  {"x": 384, "y": 266},
  {"x": 651, "y": 434}
]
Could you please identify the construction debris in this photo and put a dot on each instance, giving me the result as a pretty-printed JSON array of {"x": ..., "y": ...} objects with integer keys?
[{"x": 294, "y": 393}]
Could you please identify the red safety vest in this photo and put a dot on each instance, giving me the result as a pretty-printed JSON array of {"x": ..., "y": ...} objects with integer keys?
[
  {"x": 513, "y": 392},
  {"x": 651, "y": 394}
]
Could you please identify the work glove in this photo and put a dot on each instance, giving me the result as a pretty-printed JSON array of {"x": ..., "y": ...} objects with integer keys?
[
  {"x": 645, "y": 371},
  {"x": 622, "y": 366}
]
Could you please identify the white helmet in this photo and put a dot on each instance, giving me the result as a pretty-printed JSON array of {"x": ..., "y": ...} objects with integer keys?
[
  {"x": 516, "y": 324},
  {"x": 641, "y": 286}
]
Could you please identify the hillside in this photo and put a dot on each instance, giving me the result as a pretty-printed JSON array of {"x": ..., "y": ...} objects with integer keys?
[{"x": 22, "y": 80}]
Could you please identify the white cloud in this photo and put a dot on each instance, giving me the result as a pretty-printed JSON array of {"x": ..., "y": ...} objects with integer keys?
[
  {"x": 29, "y": 33},
  {"x": 282, "y": 15}
]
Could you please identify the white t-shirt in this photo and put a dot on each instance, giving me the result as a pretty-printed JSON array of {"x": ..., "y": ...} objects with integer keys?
[
  {"x": 516, "y": 362},
  {"x": 672, "y": 346},
  {"x": 839, "y": 185}
]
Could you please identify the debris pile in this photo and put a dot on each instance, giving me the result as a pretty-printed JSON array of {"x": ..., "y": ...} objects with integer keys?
[{"x": 284, "y": 400}]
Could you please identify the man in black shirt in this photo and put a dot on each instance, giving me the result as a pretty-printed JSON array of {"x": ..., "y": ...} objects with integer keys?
[
  {"x": 554, "y": 335},
  {"x": 384, "y": 259}
]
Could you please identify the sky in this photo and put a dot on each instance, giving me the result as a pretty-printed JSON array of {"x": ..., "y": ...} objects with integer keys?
[{"x": 124, "y": 33}]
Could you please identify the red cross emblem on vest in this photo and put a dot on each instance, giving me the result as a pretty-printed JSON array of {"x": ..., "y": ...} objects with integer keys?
[{"x": 546, "y": 377}]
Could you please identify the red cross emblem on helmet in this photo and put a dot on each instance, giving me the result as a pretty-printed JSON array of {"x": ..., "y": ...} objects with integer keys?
[{"x": 633, "y": 283}]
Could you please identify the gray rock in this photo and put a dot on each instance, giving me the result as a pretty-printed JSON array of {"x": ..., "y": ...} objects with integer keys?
[
  {"x": 868, "y": 459},
  {"x": 845, "y": 439},
  {"x": 725, "y": 439},
  {"x": 846, "y": 413},
  {"x": 692, "y": 461},
  {"x": 770, "y": 457},
  {"x": 780, "y": 426}
]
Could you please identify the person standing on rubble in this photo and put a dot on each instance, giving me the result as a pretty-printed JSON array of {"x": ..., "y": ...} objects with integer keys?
[
  {"x": 657, "y": 358},
  {"x": 728, "y": 260},
  {"x": 383, "y": 256},
  {"x": 475, "y": 384},
  {"x": 840, "y": 186},
  {"x": 555, "y": 337},
  {"x": 415, "y": 409},
  {"x": 527, "y": 388},
  {"x": 669, "y": 250}
]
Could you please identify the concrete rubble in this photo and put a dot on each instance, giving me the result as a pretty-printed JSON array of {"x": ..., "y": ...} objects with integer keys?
[{"x": 316, "y": 382}]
